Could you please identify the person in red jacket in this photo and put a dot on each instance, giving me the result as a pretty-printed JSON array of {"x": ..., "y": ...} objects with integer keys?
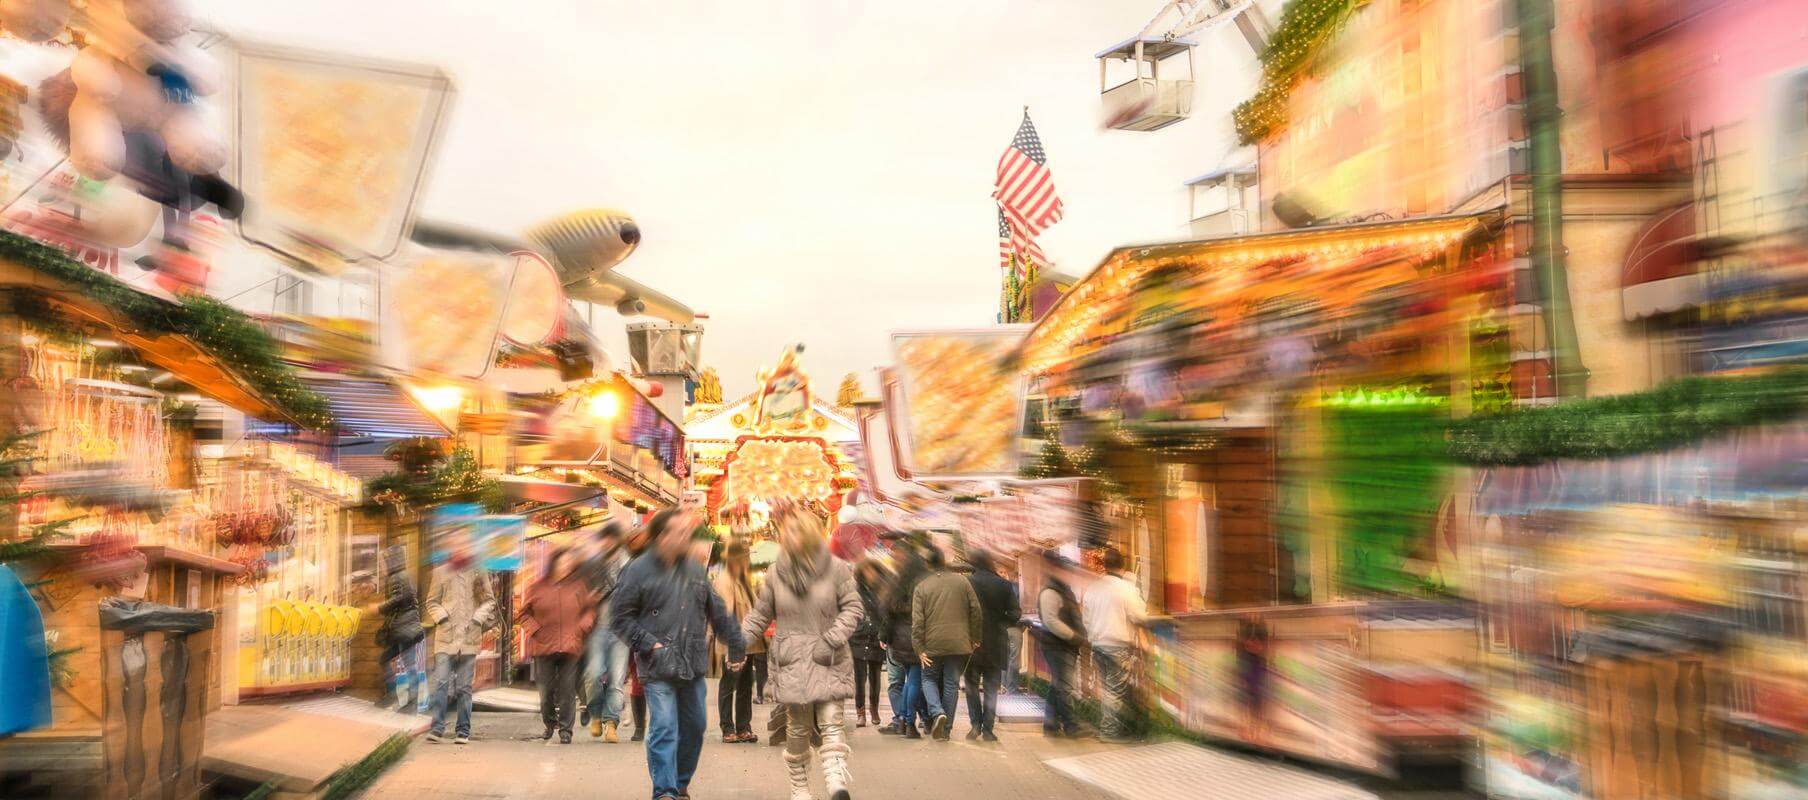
[{"x": 557, "y": 617}]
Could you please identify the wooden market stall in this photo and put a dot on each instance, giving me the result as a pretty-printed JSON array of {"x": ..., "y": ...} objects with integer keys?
[{"x": 132, "y": 565}]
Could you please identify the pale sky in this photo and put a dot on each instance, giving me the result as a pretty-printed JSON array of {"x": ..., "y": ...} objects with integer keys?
[{"x": 802, "y": 170}]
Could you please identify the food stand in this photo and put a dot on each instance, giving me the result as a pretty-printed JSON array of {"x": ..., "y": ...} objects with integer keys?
[
  {"x": 1224, "y": 392},
  {"x": 115, "y": 492}
]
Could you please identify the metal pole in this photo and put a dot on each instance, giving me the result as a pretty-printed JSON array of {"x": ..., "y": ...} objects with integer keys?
[{"x": 1543, "y": 121}]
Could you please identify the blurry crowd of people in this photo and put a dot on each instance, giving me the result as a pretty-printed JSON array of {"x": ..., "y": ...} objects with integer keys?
[{"x": 637, "y": 619}]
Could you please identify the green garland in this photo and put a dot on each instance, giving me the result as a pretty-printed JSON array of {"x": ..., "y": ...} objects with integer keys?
[
  {"x": 225, "y": 332},
  {"x": 1676, "y": 414},
  {"x": 1305, "y": 26},
  {"x": 458, "y": 478},
  {"x": 347, "y": 782}
]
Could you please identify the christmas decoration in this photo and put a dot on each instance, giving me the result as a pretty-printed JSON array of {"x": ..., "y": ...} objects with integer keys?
[
  {"x": 1306, "y": 25},
  {"x": 223, "y": 331},
  {"x": 1676, "y": 414}
]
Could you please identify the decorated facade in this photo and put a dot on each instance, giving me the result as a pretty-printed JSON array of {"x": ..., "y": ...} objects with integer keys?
[{"x": 781, "y": 442}]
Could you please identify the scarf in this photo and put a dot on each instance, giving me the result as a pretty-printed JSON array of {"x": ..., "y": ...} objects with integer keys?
[{"x": 800, "y": 571}]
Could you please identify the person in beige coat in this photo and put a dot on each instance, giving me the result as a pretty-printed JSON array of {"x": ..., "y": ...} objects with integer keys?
[
  {"x": 459, "y": 607},
  {"x": 734, "y": 693},
  {"x": 813, "y": 597}
]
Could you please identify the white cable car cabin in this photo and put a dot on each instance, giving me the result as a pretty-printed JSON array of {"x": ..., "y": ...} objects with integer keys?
[{"x": 1149, "y": 99}]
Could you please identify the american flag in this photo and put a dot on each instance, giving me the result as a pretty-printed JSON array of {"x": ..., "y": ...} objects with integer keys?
[
  {"x": 1016, "y": 250},
  {"x": 1025, "y": 189}
]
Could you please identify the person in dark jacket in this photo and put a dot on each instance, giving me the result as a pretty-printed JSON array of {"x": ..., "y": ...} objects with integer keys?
[
  {"x": 556, "y": 618},
  {"x": 401, "y": 631},
  {"x": 606, "y": 659},
  {"x": 663, "y": 608},
  {"x": 906, "y": 672},
  {"x": 1060, "y": 634},
  {"x": 868, "y": 650},
  {"x": 999, "y": 613}
]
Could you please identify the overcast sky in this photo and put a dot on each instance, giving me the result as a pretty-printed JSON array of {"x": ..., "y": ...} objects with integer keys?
[{"x": 802, "y": 170}]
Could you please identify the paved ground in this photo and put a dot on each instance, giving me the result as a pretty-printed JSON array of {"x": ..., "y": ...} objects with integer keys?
[{"x": 507, "y": 760}]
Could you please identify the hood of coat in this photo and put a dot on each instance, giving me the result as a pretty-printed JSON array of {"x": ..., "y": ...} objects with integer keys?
[{"x": 800, "y": 571}]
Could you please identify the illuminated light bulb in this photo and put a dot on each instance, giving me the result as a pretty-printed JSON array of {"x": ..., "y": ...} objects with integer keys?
[
  {"x": 439, "y": 399},
  {"x": 604, "y": 405}
]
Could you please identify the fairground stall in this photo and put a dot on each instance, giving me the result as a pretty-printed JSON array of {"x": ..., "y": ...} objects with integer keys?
[
  {"x": 1646, "y": 618},
  {"x": 135, "y": 539},
  {"x": 781, "y": 443},
  {"x": 1224, "y": 392}
]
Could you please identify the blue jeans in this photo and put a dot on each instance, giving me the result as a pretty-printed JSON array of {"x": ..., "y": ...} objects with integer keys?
[
  {"x": 452, "y": 675},
  {"x": 894, "y": 687},
  {"x": 675, "y": 720},
  {"x": 1113, "y": 665},
  {"x": 941, "y": 684},
  {"x": 606, "y": 674}
]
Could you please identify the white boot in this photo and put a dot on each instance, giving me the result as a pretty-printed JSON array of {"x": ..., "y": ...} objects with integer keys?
[
  {"x": 834, "y": 751},
  {"x": 798, "y": 766}
]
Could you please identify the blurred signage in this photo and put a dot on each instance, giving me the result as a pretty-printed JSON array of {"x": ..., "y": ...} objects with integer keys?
[
  {"x": 440, "y": 311},
  {"x": 536, "y": 305},
  {"x": 963, "y": 401},
  {"x": 495, "y": 541},
  {"x": 1406, "y": 114},
  {"x": 332, "y": 153}
]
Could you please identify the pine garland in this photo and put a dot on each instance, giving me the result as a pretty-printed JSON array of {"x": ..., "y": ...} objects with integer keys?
[
  {"x": 347, "y": 782},
  {"x": 225, "y": 332},
  {"x": 1305, "y": 26},
  {"x": 1676, "y": 414},
  {"x": 457, "y": 478}
]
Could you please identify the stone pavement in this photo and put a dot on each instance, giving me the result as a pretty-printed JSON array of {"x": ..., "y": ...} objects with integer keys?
[{"x": 508, "y": 760}]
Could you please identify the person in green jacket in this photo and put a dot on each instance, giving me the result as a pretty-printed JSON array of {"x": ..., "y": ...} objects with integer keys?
[{"x": 944, "y": 630}]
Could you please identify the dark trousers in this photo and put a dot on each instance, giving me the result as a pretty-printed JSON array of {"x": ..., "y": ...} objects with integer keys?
[
  {"x": 1059, "y": 715},
  {"x": 941, "y": 685},
  {"x": 757, "y": 663},
  {"x": 982, "y": 696},
  {"x": 734, "y": 699},
  {"x": 557, "y": 675},
  {"x": 866, "y": 686}
]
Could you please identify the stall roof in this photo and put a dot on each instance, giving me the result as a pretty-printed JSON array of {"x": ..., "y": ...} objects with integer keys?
[
  {"x": 1088, "y": 301},
  {"x": 374, "y": 407},
  {"x": 188, "y": 360}
]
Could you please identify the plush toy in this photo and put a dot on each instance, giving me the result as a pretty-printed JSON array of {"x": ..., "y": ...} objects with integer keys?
[{"x": 129, "y": 105}]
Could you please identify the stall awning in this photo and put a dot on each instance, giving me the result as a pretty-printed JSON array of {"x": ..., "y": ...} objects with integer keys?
[
  {"x": 1661, "y": 272},
  {"x": 374, "y": 408},
  {"x": 1328, "y": 249}
]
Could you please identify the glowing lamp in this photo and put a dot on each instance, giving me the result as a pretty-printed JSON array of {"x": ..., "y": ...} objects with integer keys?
[
  {"x": 439, "y": 399},
  {"x": 605, "y": 405}
]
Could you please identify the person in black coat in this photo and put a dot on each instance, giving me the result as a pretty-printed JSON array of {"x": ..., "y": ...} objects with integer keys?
[
  {"x": 906, "y": 672},
  {"x": 868, "y": 650},
  {"x": 401, "y": 630},
  {"x": 999, "y": 614}
]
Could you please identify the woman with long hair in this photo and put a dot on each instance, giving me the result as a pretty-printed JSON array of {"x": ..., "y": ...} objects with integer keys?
[
  {"x": 557, "y": 616},
  {"x": 734, "y": 693},
  {"x": 811, "y": 596},
  {"x": 866, "y": 645}
]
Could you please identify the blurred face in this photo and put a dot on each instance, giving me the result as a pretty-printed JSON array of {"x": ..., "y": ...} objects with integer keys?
[
  {"x": 797, "y": 537},
  {"x": 562, "y": 566},
  {"x": 675, "y": 540}
]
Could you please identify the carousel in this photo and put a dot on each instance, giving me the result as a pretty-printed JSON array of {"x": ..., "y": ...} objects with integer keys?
[{"x": 778, "y": 445}]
